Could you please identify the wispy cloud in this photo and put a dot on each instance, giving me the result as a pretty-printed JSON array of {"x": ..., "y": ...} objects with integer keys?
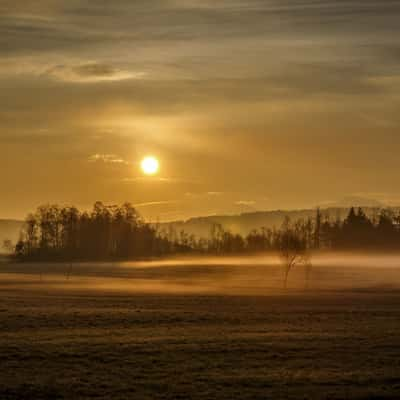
[
  {"x": 196, "y": 195},
  {"x": 245, "y": 203},
  {"x": 156, "y": 203},
  {"x": 107, "y": 158},
  {"x": 158, "y": 179},
  {"x": 91, "y": 73}
]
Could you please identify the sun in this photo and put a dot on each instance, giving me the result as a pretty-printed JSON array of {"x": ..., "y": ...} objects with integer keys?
[{"x": 149, "y": 165}]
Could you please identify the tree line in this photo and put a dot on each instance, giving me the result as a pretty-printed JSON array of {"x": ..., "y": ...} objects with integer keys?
[
  {"x": 107, "y": 232},
  {"x": 357, "y": 231},
  {"x": 118, "y": 232}
]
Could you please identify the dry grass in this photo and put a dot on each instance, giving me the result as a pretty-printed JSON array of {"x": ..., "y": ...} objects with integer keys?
[{"x": 195, "y": 331}]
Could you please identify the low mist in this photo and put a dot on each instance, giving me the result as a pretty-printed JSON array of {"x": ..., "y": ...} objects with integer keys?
[{"x": 253, "y": 275}]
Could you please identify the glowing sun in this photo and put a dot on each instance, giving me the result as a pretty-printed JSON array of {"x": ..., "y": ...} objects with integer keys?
[{"x": 149, "y": 165}]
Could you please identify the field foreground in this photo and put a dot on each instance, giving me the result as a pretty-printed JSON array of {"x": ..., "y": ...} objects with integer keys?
[{"x": 222, "y": 329}]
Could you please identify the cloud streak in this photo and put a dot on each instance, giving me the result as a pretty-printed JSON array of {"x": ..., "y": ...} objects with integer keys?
[
  {"x": 90, "y": 73},
  {"x": 107, "y": 158}
]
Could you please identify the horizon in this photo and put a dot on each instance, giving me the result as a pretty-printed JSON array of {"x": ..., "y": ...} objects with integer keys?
[{"x": 337, "y": 206}]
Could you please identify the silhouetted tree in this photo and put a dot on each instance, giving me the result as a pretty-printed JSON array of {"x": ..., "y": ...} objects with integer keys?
[
  {"x": 8, "y": 246},
  {"x": 317, "y": 230},
  {"x": 259, "y": 240},
  {"x": 292, "y": 247},
  {"x": 107, "y": 232}
]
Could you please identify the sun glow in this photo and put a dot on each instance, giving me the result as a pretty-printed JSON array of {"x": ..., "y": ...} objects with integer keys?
[{"x": 149, "y": 165}]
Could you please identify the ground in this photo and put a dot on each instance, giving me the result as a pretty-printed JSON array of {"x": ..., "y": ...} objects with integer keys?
[{"x": 196, "y": 330}]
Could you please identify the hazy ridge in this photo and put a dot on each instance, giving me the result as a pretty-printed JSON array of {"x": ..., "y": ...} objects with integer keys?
[{"x": 246, "y": 222}]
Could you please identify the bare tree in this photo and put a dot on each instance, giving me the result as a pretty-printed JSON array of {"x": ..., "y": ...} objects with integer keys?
[
  {"x": 292, "y": 247},
  {"x": 8, "y": 246},
  {"x": 307, "y": 262},
  {"x": 68, "y": 272}
]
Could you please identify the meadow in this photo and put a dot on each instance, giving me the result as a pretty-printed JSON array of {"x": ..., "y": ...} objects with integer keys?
[{"x": 208, "y": 328}]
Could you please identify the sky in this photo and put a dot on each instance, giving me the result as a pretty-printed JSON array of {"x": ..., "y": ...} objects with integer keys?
[{"x": 248, "y": 105}]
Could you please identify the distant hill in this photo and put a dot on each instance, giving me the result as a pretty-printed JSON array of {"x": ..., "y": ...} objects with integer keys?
[
  {"x": 358, "y": 201},
  {"x": 246, "y": 222},
  {"x": 9, "y": 229}
]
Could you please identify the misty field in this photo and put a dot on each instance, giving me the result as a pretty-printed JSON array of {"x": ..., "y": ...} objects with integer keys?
[{"x": 201, "y": 329}]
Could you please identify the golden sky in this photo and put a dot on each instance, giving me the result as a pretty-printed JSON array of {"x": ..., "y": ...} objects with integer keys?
[{"x": 248, "y": 105}]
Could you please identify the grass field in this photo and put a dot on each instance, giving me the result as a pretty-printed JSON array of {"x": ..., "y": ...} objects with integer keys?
[{"x": 200, "y": 329}]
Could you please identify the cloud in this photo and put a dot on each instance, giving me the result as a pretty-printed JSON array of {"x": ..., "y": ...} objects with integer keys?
[
  {"x": 245, "y": 203},
  {"x": 90, "y": 72},
  {"x": 107, "y": 158},
  {"x": 156, "y": 203},
  {"x": 146, "y": 26},
  {"x": 159, "y": 179},
  {"x": 199, "y": 195}
]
